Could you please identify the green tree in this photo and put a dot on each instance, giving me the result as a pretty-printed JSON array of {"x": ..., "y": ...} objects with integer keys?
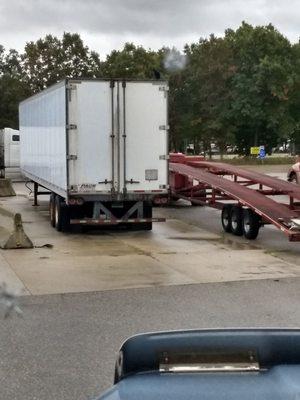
[
  {"x": 294, "y": 102},
  {"x": 13, "y": 87},
  {"x": 50, "y": 59},
  {"x": 208, "y": 75},
  {"x": 261, "y": 85},
  {"x": 131, "y": 62}
]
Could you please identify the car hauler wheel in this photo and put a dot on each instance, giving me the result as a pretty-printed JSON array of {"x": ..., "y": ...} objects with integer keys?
[
  {"x": 62, "y": 215},
  {"x": 251, "y": 224},
  {"x": 226, "y": 217},
  {"x": 52, "y": 209},
  {"x": 236, "y": 220}
]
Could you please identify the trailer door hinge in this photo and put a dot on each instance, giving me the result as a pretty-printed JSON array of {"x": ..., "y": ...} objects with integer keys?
[
  {"x": 71, "y": 126},
  {"x": 164, "y": 88},
  {"x": 71, "y": 157},
  {"x": 70, "y": 87},
  {"x": 164, "y": 157},
  {"x": 164, "y": 127}
]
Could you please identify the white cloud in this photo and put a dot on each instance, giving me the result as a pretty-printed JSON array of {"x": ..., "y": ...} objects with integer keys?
[{"x": 108, "y": 24}]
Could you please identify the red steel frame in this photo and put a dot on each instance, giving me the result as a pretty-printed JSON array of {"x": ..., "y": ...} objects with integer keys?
[{"x": 215, "y": 184}]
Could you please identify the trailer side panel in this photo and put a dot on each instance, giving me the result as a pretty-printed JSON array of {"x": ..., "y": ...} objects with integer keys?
[{"x": 43, "y": 138}]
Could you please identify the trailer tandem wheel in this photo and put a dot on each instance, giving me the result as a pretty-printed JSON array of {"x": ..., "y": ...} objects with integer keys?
[
  {"x": 226, "y": 217},
  {"x": 236, "y": 220},
  {"x": 62, "y": 215},
  {"x": 251, "y": 224}
]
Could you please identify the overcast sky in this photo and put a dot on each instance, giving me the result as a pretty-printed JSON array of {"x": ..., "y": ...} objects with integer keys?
[{"x": 107, "y": 24}]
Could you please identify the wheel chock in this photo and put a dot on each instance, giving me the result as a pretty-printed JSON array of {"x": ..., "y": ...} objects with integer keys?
[
  {"x": 6, "y": 188},
  {"x": 17, "y": 238}
]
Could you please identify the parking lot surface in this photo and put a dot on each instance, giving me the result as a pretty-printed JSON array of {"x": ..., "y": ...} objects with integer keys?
[
  {"x": 190, "y": 247},
  {"x": 82, "y": 294}
]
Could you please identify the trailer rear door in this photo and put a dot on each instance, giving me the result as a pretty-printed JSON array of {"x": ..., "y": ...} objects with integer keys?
[
  {"x": 89, "y": 135},
  {"x": 144, "y": 141},
  {"x": 117, "y": 136}
]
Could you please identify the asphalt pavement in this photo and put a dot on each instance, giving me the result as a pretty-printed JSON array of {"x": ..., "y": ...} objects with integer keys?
[{"x": 63, "y": 347}]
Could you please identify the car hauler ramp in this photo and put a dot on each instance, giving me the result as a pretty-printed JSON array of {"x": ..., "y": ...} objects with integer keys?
[
  {"x": 253, "y": 177},
  {"x": 244, "y": 209}
]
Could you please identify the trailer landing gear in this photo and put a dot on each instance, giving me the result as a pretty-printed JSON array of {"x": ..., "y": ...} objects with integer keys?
[{"x": 52, "y": 209}]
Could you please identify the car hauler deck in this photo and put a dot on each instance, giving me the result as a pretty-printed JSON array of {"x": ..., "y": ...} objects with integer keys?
[
  {"x": 100, "y": 147},
  {"x": 246, "y": 198}
]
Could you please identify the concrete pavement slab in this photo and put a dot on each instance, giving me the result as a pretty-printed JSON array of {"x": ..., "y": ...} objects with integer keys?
[
  {"x": 83, "y": 274},
  {"x": 188, "y": 248},
  {"x": 224, "y": 265}
]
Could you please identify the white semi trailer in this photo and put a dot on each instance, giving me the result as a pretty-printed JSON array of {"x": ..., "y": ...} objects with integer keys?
[
  {"x": 9, "y": 149},
  {"x": 100, "y": 147}
]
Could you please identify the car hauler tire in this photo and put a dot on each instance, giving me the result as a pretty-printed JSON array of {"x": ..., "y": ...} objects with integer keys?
[
  {"x": 62, "y": 215},
  {"x": 52, "y": 209},
  {"x": 251, "y": 224},
  {"x": 236, "y": 220},
  {"x": 226, "y": 217}
]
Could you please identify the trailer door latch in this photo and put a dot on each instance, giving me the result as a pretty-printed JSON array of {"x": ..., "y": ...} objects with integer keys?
[{"x": 132, "y": 181}]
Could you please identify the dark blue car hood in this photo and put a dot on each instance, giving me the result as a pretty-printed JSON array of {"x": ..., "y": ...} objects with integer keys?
[{"x": 138, "y": 376}]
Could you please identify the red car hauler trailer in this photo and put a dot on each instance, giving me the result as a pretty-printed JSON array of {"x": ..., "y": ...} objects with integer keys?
[
  {"x": 245, "y": 197},
  {"x": 100, "y": 147}
]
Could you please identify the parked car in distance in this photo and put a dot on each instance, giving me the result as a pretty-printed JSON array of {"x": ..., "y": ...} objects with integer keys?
[
  {"x": 294, "y": 173},
  {"x": 227, "y": 364}
]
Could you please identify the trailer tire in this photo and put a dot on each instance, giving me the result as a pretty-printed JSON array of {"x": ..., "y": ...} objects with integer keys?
[
  {"x": 236, "y": 220},
  {"x": 251, "y": 224},
  {"x": 226, "y": 217},
  {"x": 62, "y": 215},
  {"x": 52, "y": 209}
]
